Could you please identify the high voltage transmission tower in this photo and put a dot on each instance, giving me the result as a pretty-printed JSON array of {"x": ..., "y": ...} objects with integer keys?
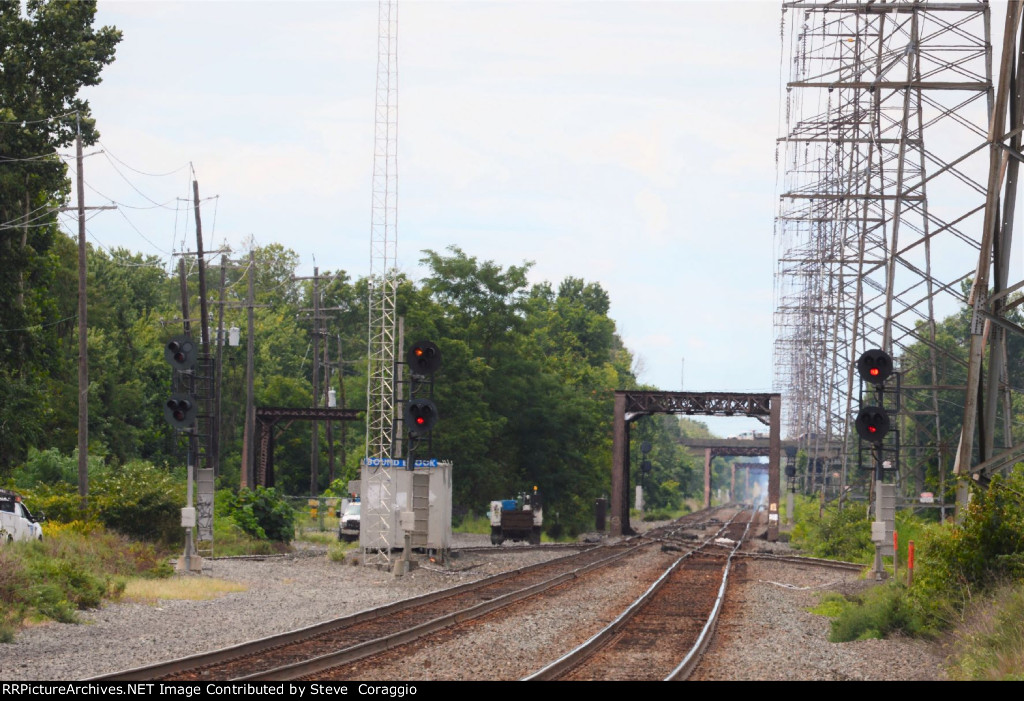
[
  {"x": 882, "y": 201},
  {"x": 380, "y": 390},
  {"x": 986, "y": 441}
]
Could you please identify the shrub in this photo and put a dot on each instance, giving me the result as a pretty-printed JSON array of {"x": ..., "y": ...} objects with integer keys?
[
  {"x": 956, "y": 563},
  {"x": 77, "y": 566},
  {"x": 141, "y": 501},
  {"x": 263, "y": 514},
  {"x": 842, "y": 535},
  {"x": 59, "y": 501},
  {"x": 137, "y": 499},
  {"x": 879, "y": 612}
]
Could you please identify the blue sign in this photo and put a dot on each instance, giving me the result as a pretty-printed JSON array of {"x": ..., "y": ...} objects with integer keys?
[{"x": 397, "y": 462}]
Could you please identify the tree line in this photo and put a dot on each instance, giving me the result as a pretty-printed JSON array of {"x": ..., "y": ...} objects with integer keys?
[{"x": 525, "y": 391}]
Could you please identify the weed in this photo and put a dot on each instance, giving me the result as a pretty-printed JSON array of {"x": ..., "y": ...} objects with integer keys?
[
  {"x": 831, "y": 605},
  {"x": 337, "y": 552},
  {"x": 990, "y": 644}
]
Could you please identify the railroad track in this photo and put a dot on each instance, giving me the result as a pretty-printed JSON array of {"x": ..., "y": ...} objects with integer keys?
[
  {"x": 369, "y": 631},
  {"x": 373, "y": 634},
  {"x": 662, "y": 634},
  {"x": 356, "y": 636}
]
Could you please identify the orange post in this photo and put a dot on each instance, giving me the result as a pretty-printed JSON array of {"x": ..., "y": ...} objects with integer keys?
[
  {"x": 910, "y": 563},
  {"x": 895, "y": 552}
]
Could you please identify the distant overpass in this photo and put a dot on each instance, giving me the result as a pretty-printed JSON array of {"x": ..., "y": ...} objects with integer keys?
[{"x": 750, "y": 447}]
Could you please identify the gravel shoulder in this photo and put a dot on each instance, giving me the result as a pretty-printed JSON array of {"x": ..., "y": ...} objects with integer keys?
[{"x": 766, "y": 633}]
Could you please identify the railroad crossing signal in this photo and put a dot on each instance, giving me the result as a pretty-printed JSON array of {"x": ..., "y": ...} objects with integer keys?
[
  {"x": 424, "y": 358},
  {"x": 420, "y": 417},
  {"x": 872, "y": 424},
  {"x": 874, "y": 366},
  {"x": 180, "y": 411},
  {"x": 181, "y": 353}
]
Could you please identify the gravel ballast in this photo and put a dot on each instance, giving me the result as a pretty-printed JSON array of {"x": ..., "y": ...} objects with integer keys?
[{"x": 766, "y": 632}]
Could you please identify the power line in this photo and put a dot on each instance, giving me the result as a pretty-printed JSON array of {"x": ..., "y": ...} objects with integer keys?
[
  {"x": 24, "y": 122},
  {"x": 35, "y": 327},
  {"x": 109, "y": 155}
]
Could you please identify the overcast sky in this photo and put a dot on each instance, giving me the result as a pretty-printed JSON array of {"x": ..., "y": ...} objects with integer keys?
[{"x": 628, "y": 143}]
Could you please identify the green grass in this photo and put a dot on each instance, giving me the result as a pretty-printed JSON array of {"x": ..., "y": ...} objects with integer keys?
[
  {"x": 74, "y": 568},
  {"x": 831, "y": 605},
  {"x": 320, "y": 538},
  {"x": 990, "y": 643},
  {"x": 229, "y": 539},
  {"x": 877, "y": 613},
  {"x": 471, "y": 523}
]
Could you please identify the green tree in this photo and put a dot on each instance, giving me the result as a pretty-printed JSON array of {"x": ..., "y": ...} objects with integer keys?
[{"x": 48, "y": 52}]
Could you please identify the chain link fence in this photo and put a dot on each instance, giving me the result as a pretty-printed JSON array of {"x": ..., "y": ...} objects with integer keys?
[{"x": 316, "y": 514}]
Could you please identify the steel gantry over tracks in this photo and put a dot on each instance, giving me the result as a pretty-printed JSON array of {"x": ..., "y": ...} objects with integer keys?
[{"x": 631, "y": 405}]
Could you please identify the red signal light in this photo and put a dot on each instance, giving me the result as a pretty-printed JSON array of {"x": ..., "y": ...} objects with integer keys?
[{"x": 873, "y": 372}]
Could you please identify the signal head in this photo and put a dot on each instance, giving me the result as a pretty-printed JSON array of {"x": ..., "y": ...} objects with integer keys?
[
  {"x": 180, "y": 411},
  {"x": 420, "y": 416},
  {"x": 181, "y": 353},
  {"x": 874, "y": 366},
  {"x": 872, "y": 424},
  {"x": 423, "y": 358}
]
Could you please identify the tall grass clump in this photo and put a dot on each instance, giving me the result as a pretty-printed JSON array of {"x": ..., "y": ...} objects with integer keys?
[
  {"x": 75, "y": 567},
  {"x": 990, "y": 645},
  {"x": 877, "y": 613}
]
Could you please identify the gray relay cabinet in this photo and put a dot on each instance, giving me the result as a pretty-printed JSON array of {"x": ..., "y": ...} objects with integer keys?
[{"x": 387, "y": 489}]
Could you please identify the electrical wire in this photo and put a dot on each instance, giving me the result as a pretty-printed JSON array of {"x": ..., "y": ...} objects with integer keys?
[
  {"x": 110, "y": 155},
  {"x": 35, "y": 327},
  {"x": 124, "y": 205},
  {"x": 23, "y": 122},
  {"x": 132, "y": 185}
]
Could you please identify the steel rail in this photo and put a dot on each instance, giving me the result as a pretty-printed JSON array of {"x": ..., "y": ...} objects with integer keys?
[
  {"x": 387, "y": 642},
  {"x": 801, "y": 560},
  {"x": 200, "y": 660},
  {"x": 689, "y": 663},
  {"x": 574, "y": 657}
]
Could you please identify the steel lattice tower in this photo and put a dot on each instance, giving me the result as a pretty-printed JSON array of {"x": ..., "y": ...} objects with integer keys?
[
  {"x": 886, "y": 111},
  {"x": 986, "y": 444},
  {"x": 380, "y": 390}
]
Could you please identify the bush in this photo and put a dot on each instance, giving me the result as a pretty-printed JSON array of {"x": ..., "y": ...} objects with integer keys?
[
  {"x": 956, "y": 563},
  {"x": 263, "y": 514},
  {"x": 137, "y": 499},
  {"x": 52, "y": 468},
  {"x": 881, "y": 611},
  {"x": 838, "y": 535},
  {"x": 141, "y": 501},
  {"x": 76, "y": 567}
]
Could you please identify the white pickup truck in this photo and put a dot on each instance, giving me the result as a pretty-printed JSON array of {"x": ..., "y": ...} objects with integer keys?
[{"x": 16, "y": 521}]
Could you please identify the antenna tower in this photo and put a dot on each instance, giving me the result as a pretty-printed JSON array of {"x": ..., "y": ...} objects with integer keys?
[{"x": 380, "y": 391}]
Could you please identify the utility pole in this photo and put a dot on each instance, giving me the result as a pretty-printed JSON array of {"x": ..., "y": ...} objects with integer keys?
[
  {"x": 83, "y": 324},
  {"x": 314, "y": 441},
  {"x": 83, "y": 345},
  {"x": 341, "y": 384},
  {"x": 218, "y": 365},
  {"x": 314, "y": 466},
  {"x": 327, "y": 402},
  {"x": 248, "y": 474},
  {"x": 204, "y": 323}
]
